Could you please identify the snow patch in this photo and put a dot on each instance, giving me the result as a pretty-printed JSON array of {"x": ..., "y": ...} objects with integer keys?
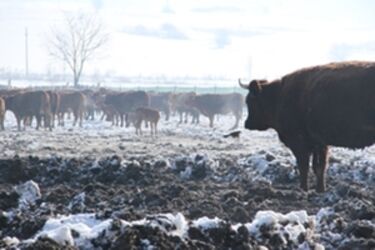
[{"x": 29, "y": 192}]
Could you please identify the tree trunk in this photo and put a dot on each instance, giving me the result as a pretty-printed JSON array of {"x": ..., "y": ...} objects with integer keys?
[{"x": 76, "y": 80}]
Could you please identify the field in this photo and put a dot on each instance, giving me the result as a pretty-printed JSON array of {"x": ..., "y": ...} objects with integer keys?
[{"x": 103, "y": 187}]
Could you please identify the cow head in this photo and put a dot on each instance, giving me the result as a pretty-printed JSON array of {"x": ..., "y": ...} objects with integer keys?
[{"x": 257, "y": 117}]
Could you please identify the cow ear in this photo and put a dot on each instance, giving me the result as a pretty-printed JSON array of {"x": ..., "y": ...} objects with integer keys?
[{"x": 255, "y": 87}]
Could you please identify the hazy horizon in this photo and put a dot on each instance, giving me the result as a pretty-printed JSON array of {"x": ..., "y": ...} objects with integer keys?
[{"x": 247, "y": 39}]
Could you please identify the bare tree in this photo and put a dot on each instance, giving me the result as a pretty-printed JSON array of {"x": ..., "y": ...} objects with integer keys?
[{"x": 77, "y": 42}]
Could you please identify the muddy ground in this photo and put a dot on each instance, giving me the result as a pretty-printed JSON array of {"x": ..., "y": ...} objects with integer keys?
[{"x": 187, "y": 169}]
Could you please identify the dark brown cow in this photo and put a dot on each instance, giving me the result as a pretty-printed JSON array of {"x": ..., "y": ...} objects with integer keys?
[
  {"x": 126, "y": 102},
  {"x": 29, "y": 104},
  {"x": 315, "y": 107},
  {"x": 71, "y": 101},
  {"x": 213, "y": 104},
  {"x": 2, "y": 113}
]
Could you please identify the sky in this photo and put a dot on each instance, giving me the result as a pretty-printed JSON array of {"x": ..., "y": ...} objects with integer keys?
[{"x": 205, "y": 38}]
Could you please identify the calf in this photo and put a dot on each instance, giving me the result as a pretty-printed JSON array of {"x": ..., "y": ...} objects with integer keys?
[{"x": 147, "y": 115}]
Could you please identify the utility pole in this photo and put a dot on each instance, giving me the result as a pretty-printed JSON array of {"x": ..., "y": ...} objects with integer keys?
[{"x": 26, "y": 54}]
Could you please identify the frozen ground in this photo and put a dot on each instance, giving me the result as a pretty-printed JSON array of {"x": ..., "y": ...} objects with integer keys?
[{"x": 100, "y": 187}]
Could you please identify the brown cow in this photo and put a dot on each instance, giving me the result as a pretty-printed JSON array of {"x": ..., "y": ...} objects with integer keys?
[
  {"x": 29, "y": 104},
  {"x": 179, "y": 103},
  {"x": 126, "y": 102},
  {"x": 147, "y": 115},
  {"x": 71, "y": 101},
  {"x": 161, "y": 102},
  {"x": 316, "y": 107},
  {"x": 2, "y": 113},
  {"x": 214, "y": 104}
]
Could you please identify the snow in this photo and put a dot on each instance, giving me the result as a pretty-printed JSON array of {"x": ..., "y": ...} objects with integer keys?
[
  {"x": 207, "y": 223},
  {"x": 78, "y": 201},
  {"x": 291, "y": 223},
  {"x": 60, "y": 229},
  {"x": 29, "y": 192},
  {"x": 11, "y": 241},
  {"x": 87, "y": 227}
]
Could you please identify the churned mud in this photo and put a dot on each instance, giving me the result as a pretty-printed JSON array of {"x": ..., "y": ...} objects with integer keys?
[{"x": 100, "y": 187}]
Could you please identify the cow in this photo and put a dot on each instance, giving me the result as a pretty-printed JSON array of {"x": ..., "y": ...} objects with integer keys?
[
  {"x": 71, "y": 101},
  {"x": 26, "y": 105},
  {"x": 314, "y": 108},
  {"x": 2, "y": 113},
  {"x": 213, "y": 104},
  {"x": 126, "y": 102},
  {"x": 90, "y": 105},
  {"x": 149, "y": 115},
  {"x": 179, "y": 103},
  {"x": 161, "y": 102}
]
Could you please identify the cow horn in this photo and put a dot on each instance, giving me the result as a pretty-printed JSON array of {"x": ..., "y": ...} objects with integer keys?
[{"x": 242, "y": 85}]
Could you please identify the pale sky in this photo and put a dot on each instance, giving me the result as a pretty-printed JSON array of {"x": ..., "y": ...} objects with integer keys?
[{"x": 231, "y": 39}]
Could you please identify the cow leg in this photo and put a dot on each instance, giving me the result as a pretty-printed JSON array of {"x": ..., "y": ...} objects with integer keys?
[
  {"x": 18, "y": 118},
  {"x": 180, "y": 113},
  {"x": 75, "y": 114},
  {"x": 80, "y": 118},
  {"x": 127, "y": 122},
  {"x": 167, "y": 114},
  {"x": 61, "y": 119},
  {"x": 320, "y": 158},
  {"x": 211, "y": 118},
  {"x": 193, "y": 119},
  {"x": 27, "y": 121},
  {"x": 52, "y": 123},
  {"x": 2, "y": 122},
  {"x": 121, "y": 120},
  {"x": 38, "y": 121},
  {"x": 49, "y": 121},
  {"x": 238, "y": 117},
  {"x": 303, "y": 162}
]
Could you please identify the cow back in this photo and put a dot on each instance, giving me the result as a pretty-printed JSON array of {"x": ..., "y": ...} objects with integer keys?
[
  {"x": 219, "y": 103},
  {"x": 126, "y": 102},
  {"x": 330, "y": 101},
  {"x": 29, "y": 103}
]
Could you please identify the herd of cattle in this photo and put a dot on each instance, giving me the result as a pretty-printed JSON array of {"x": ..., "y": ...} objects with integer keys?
[{"x": 49, "y": 107}]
